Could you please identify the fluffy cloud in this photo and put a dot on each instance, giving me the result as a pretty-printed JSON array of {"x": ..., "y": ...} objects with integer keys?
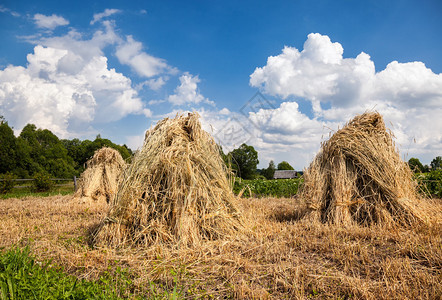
[
  {"x": 286, "y": 125},
  {"x": 84, "y": 48},
  {"x": 68, "y": 87},
  {"x": 278, "y": 134},
  {"x": 154, "y": 84},
  {"x": 49, "y": 22},
  {"x": 106, "y": 13},
  {"x": 318, "y": 73},
  {"x": 407, "y": 94},
  {"x": 187, "y": 92},
  {"x": 62, "y": 91},
  {"x": 130, "y": 53}
]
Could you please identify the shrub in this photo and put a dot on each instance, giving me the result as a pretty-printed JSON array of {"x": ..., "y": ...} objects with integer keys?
[
  {"x": 6, "y": 183},
  {"x": 42, "y": 182},
  {"x": 275, "y": 188},
  {"x": 431, "y": 183}
]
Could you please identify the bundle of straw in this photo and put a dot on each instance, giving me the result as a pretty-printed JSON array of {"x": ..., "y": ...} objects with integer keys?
[
  {"x": 99, "y": 181},
  {"x": 176, "y": 190},
  {"x": 359, "y": 177}
]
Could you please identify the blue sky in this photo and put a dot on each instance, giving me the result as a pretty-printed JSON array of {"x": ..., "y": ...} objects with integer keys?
[{"x": 116, "y": 67}]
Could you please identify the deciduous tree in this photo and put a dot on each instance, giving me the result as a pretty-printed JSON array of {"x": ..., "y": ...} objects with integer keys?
[
  {"x": 284, "y": 166},
  {"x": 244, "y": 161}
]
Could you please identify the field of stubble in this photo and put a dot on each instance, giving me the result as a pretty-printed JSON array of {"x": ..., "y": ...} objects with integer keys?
[{"x": 285, "y": 256}]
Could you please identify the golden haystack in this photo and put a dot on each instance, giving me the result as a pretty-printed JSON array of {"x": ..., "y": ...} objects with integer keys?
[
  {"x": 175, "y": 191},
  {"x": 358, "y": 177},
  {"x": 99, "y": 181}
]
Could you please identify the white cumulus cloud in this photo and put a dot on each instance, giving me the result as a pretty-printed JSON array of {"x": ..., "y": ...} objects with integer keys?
[
  {"x": 187, "y": 92},
  {"x": 130, "y": 53},
  {"x": 409, "y": 95},
  {"x": 81, "y": 46},
  {"x": 49, "y": 22},
  {"x": 65, "y": 93}
]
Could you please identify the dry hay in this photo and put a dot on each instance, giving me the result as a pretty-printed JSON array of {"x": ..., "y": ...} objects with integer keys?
[
  {"x": 99, "y": 181},
  {"x": 358, "y": 177},
  {"x": 175, "y": 192}
]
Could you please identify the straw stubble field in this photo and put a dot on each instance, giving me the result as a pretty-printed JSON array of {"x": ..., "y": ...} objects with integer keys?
[{"x": 281, "y": 256}]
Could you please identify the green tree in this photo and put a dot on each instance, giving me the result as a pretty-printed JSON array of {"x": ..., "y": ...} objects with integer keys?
[
  {"x": 270, "y": 171},
  {"x": 82, "y": 151},
  {"x": 44, "y": 152},
  {"x": 244, "y": 161},
  {"x": 284, "y": 166},
  {"x": 8, "y": 147},
  {"x": 40, "y": 151},
  {"x": 415, "y": 165},
  {"x": 436, "y": 163}
]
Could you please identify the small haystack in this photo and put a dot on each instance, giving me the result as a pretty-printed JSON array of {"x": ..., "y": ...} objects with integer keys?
[
  {"x": 99, "y": 181},
  {"x": 176, "y": 190},
  {"x": 358, "y": 177}
]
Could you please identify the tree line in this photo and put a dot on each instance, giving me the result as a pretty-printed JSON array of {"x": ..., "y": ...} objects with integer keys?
[
  {"x": 35, "y": 151},
  {"x": 417, "y": 167},
  {"x": 38, "y": 150},
  {"x": 244, "y": 161}
]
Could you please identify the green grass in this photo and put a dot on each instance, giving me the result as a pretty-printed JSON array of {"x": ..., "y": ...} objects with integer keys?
[
  {"x": 22, "y": 277},
  {"x": 267, "y": 188},
  {"x": 28, "y": 191}
]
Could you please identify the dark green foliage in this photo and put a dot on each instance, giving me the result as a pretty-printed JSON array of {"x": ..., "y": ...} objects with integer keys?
[
  {"x": 22, "y": 277},
  {"x": 6, "y": 182},
  {"x": 436, "y": 163},
  {"x": 7, "y": 147},
  {"x": 431, "y": 183},
  {"x": 244, "y": 161},
  {"x": 270, "y": 171},
  {"x": 42, "y": 182},
  {"x": 82, "y": 151},
  {"x": 39, "y": 150},
  {"x": 284, "y": 166},
  {"x": 46, "y": 153},
  {"x": 415, "y": 165},
  {"x": 264, "y": 188}
]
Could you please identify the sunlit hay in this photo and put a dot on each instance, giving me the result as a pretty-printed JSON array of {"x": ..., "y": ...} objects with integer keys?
[
  {"x": 99, "y": 181},
  {"x": 175, "y": 191},
  {"x": 358, "y": 177}
]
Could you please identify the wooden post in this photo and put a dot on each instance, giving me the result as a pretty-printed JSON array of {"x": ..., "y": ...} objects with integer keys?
[{"x": 75, "y": 184}]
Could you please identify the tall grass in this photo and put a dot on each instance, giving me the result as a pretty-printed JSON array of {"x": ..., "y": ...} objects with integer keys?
[
  {"x": 28, "y": 191},
  {"x": 23, "y": 277}
]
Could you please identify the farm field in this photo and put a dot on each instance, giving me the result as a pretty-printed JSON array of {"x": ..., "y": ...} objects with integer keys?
[{"x": 283, "y": 255}]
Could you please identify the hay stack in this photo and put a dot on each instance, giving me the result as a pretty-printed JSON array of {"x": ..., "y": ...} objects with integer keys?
[
  {"x": 359, "y": 177},
  {"x": 99, "y": 181},
  {"x": 175, "y": 191}
]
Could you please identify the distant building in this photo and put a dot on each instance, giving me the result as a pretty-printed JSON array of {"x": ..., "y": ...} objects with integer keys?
[{"x": 285, "y": 174}]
